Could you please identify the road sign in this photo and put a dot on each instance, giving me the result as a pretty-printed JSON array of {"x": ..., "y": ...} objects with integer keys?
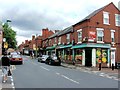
[{"x": 5, "y": 45}]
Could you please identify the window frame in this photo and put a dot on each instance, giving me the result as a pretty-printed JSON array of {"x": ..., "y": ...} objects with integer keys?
[
  {"x": 79, "y": 32},
  {"x": 106, "y": 18},
  {"x": 68, "y": 38},
  {"x": 112, "y": 36},
  {"x": 100, "y": 29},
  {"x": 117, "y": 21}
]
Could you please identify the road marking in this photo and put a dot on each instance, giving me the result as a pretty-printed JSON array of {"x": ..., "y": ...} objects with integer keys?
[
  {"x": 12, "y": 83},
  {"x": 44, "y": 68},
  {"x": 70, "y": 79},
  {"x": 57, "y": 73}
]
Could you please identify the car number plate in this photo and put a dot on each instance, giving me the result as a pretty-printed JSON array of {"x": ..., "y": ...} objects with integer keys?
[{"x": 17, "y": 59}]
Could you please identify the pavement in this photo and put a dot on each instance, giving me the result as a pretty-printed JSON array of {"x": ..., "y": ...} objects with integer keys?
[{"x": 104, "y": 72}]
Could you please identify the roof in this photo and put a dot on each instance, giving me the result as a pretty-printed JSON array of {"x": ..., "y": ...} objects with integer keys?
[
  {"x": 66, "y": 30},
  {"x": 54, "y": 35},
  {"x": 90, "y": 15},
  {"x": 94, "y": 13}
]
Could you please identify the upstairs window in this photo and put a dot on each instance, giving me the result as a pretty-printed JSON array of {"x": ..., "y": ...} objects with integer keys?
[
  {"x": 79, "y": 35},
  {"x": 50, "y": 42},
  {"x": 112, "y": 36},
  {"x": 117, "y": 19},
  {"x": 55, "y": 40},
  {"x": 59, "y": 40},
  {"x": 106, "y": 18},
  {"x": 68, "y": 38},
  {"x": 100, "y": 34}
]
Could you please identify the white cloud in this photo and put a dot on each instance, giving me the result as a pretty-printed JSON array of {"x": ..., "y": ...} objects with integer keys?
[{"x": 30, "y": 16}]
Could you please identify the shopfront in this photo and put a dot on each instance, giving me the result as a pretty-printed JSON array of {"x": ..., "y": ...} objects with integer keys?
[
  {"x": 51, "y": 50},
  {"x": 90, "y": 54},
  {"x": 65, "y": 53}
]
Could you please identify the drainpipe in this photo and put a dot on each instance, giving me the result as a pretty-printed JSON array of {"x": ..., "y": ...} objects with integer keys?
[{"x": 73, "y": 56}]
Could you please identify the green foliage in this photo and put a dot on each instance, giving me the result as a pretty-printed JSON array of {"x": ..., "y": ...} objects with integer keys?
[{"x": 10, "y": 36}]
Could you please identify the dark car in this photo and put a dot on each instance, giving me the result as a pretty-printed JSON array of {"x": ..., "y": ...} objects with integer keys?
[{"x": 53, "y": 60}]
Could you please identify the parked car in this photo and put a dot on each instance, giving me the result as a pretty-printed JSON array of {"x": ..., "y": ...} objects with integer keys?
[
  {"x": 42, "y": 58},
  {"x": 16, "y": 59},
  {"x": 53, "y": 60}
]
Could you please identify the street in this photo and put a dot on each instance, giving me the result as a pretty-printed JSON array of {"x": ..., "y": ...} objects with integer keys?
[{"x": 33, "y": 74}]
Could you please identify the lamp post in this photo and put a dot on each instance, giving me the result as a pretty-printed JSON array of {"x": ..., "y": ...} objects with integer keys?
[{"x": 36, "y": 44}]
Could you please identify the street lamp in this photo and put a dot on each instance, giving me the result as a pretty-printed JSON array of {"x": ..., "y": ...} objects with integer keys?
[{"x": 36, "y": 44}]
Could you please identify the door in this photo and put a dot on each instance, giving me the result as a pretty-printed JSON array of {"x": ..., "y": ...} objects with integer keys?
[
  {"x": 112, "y": 57},
  {"x": 88, "y": 57}
]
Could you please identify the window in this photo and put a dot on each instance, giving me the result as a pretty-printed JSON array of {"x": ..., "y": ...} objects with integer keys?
[
  {"x": 100, "y": 34},
  {"x": 59, "y": 40},
  {"x": 50, "y": 42},
  {"x": 112, "y": 36},
  {"x": 55, "y": 40},
  {"x": 106, "y": 18},
  {"x": 79, "y": 35},
  {"x": 68, "y": 38},
  {"x": 117, "y": 19}
]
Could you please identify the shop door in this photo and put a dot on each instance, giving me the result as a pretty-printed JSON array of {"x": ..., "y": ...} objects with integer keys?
[{"x": 88, "y": 57}]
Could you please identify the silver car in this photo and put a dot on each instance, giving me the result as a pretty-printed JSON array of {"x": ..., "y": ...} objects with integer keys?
[{"x": 42, "y": 58}]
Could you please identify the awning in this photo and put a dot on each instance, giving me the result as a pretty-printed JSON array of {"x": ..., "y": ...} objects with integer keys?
[
  {"x": 51, "y": 48},
  {"x": 65, "y": 46},
  {"x": 92, "y": 45}
]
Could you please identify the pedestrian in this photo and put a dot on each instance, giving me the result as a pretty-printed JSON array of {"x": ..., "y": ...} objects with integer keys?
[
  {"x": 32, "y": 55},
  {"x": 5, "y": 66}
]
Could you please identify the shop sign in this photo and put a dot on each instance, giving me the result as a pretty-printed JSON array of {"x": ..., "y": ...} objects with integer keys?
[{"x": 92, "y": 36}]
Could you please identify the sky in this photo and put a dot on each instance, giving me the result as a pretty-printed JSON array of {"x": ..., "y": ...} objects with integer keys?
[{"x": 29, "y": 17}]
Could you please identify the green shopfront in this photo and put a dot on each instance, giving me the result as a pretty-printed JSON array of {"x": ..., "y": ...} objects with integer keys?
[
  {"x": 91, "y": 54},
  {"x": 65, "y": 52},
  {"x": 51, "y": 50}
]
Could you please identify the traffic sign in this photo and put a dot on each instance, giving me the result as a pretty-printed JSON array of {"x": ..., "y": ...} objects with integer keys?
[{"x": 5, "y": 45}]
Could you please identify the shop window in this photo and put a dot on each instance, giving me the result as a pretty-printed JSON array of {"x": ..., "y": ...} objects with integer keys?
[
  {"x": 101, "y": 54},
  {"x": 78, "y": 54}
]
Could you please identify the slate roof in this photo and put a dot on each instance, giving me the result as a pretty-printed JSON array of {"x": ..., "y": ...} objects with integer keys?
[
  {"x": 91, "y": 15},
  {"x": 55, "y": 34},
  {"x": 66, "y": 30}
]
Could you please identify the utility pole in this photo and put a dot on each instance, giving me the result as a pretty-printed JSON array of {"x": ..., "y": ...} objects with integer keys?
[{"x": 36, "y": 45}]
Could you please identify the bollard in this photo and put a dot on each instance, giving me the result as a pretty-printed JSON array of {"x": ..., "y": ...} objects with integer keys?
[
  {"x": 99, "y": 66},
  {"x": 112, "y": 66}
]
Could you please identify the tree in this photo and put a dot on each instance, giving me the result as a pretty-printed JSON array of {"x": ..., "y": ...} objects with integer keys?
[{"x": 10, "y": 35}]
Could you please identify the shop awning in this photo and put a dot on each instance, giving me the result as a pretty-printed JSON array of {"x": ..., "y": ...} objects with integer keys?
[
  {"x": 92, "y": 45},
  {"x": 65, "y": 46},
  {"x": 51, "y": 48}
]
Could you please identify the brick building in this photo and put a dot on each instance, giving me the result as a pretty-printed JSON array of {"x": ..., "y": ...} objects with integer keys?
[
  {"x": 35, "y": 44},
  {"x": 93, "y": 40}
]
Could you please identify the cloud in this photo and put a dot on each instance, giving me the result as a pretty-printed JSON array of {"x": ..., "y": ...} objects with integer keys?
[{"x": 30, "y": 16}]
